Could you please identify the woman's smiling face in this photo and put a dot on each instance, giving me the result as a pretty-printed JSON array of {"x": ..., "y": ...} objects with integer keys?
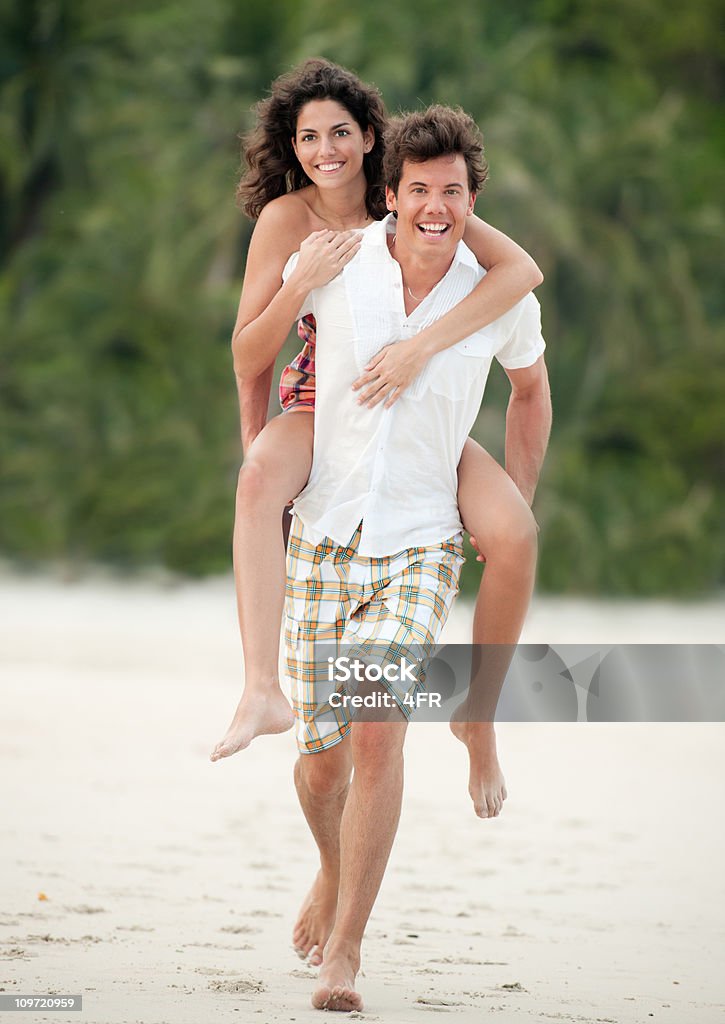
[{"x": 330, "y": 144}]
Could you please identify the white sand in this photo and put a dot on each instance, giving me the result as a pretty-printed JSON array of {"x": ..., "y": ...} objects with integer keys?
[{"x": 172, "y": 883}]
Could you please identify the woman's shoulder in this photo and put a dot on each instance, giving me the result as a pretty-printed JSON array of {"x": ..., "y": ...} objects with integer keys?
[
  {"x": 281, "y": 228},
  {"x": 290, "y": 213}
]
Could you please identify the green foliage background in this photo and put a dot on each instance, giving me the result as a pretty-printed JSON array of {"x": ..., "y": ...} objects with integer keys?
[{"x": 122, "y": 255}]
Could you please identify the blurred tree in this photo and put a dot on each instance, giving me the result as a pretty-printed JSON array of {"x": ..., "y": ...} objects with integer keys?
[{"x": 122, "y": 253}]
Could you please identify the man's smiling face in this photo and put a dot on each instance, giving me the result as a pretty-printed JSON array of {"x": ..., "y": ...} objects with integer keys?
[{"x": 432, "y": 204}]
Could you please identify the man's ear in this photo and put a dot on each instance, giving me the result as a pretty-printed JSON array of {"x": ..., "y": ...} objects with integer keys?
[
  {"x": 471, "y": 204},
  {"x": 390, "y": 199}
]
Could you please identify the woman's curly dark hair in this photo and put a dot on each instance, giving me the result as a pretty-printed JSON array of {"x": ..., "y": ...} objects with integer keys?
[{"x": 272, "y": 167}]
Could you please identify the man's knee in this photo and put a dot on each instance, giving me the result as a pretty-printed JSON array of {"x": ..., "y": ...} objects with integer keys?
[
  {"x": 375, "y": 745},
  {"x": 325, "y": 774}
]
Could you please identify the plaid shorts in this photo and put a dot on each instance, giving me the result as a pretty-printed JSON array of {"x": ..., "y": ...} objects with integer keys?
[
  {"x": 297, "y": 383},
  {"x": 378, "y": 608}
]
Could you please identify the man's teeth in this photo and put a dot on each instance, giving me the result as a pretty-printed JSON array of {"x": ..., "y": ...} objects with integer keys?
[
  {"x": 433, "y": 229},
  {"x": 329, "y": 167}
]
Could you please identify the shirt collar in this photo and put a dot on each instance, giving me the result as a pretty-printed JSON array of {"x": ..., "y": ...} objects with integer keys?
[{"x": 378, "y": 232}]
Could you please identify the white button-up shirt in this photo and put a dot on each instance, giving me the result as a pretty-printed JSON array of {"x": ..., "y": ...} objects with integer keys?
[{"x": 396, "y": 469}]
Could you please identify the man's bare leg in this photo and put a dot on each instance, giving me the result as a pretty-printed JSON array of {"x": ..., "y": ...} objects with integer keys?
[
  {"x": 322, "y": 781},
  {"x": 274, "y": 472},
  {"x": 368, "y": 827},
  {"x": 495, "y": 513}
]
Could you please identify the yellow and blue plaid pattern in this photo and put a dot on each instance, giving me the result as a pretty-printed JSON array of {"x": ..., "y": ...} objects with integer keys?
[{"x": 339, "y": 599}]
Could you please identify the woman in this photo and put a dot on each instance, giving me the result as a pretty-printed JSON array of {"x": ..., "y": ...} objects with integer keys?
[{"x": 314, "y": 177}]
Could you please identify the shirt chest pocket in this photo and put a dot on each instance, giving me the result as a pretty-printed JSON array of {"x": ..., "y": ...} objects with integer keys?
[
  {"x": 453, "y": 373},
  {"x": 481, "y": 345}
]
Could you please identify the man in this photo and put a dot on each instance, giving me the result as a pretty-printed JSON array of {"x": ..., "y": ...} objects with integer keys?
[{"x": 375, "y": 549}]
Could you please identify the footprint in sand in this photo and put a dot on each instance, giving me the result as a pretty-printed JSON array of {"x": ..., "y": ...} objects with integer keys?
[
  {"x": 465, "y": 960},
  {"x": 241, "y": 985},
  {"x": 15, "y": 953},
  {"x": 84, "y": 940},
  {"x": 432, "y": 1003},
  {"x": 216, "y": 945}
]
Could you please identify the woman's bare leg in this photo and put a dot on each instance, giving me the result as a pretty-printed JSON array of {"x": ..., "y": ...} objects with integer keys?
[
  {"x": 275, "y": 470},
  {"x": 495, "y": 513}
]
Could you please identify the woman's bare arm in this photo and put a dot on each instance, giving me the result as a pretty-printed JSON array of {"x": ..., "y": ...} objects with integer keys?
[
  {"x": 269, "y": 249},
  {"x": 511, "y": 274},
  {"x": 253, "y": 395},
  {"x": 268, "y": 306}
]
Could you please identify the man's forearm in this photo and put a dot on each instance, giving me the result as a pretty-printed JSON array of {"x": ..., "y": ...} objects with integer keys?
[
  {"x": 253, "y": 404},
  {"x": 528, "y": 425}
]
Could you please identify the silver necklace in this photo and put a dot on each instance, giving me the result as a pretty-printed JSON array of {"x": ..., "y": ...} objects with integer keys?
[
  {"x": 407, "y": 286},
  {"x": 336, "y": 228}
]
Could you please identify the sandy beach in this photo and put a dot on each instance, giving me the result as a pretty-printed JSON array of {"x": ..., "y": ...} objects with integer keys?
[{"x": 171, "y": 884}]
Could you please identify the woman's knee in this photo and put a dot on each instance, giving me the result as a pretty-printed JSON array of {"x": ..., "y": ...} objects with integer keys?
[
  {"x": 277, "y": 464},
  {"x": 509, "y": 533},
  {"x": 252, "y": 483},
  {"x": 261, "y": 482}
]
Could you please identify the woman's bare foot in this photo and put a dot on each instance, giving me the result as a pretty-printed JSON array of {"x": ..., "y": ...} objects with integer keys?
[
  {"x": 336, "y": 985},
  {"x": 316, "y": 918},
  {"x": 258, "y": 714},
  {"x": 486, "y": 783}
]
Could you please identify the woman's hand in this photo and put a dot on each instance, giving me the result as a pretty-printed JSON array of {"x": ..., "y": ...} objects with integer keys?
[
  {"x": 389, "y": 373},
  {"x": 474, "y": 544},
  {"x": 323, "y": 254}
]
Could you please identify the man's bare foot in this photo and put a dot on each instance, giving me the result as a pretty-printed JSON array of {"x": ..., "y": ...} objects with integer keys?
[
  {"x": 316, "y": 918},
  {"x": 336, "y": 984},
  {"x": 258, "y": 714},
  {"x": 486, "y": 783}
]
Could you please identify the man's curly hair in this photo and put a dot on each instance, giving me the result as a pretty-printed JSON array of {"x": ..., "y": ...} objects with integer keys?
[{"x": 426, "y": 134}]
